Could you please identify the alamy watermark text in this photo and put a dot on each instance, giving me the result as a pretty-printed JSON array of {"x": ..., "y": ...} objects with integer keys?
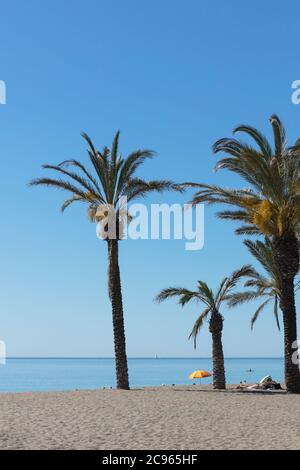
[{"x": 2, "y": 92}]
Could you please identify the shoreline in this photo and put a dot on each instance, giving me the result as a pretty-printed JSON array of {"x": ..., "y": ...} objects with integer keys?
[{"x": 188, "y": 387}]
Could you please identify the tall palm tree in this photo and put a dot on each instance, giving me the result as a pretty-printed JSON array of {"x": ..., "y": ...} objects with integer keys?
[
  {"x": 212, "y": 302},
  {"x": 113, "y": 179},
  {"x": 265, "y": 288},
  {"x": 270, "y": 206}
]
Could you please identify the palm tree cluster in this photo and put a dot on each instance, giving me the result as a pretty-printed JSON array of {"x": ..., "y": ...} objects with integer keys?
[{"x": 268, "y": 207}]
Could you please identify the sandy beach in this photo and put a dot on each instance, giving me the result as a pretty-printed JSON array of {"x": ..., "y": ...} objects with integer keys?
[{"x": 155, "y": 418}]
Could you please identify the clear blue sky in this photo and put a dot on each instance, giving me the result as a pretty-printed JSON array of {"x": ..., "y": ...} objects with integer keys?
[{"x": 173, "y": 76}]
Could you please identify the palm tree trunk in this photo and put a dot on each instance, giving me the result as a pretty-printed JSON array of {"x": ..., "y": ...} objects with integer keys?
[
  {"x": 115, "y": 294},
  {"x": 215, "y": 328},
  {"x": 286, "y": 248}
]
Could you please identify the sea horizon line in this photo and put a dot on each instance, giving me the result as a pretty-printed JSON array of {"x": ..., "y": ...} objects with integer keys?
[{"x": 141, "y": 357}]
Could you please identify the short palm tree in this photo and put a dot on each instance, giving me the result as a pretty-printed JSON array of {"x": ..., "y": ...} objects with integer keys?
[
  {"x": 269, "y": 207},
  {"x": 212, "y": 302},
  {"x": 103, "y": 190},
  {"x": 265, "y": 288}
]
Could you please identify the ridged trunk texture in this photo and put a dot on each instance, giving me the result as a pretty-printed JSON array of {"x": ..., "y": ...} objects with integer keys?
[
  {"x": 115, "y": 294},
  {"x": 215, "y": 328},
  {"x": 287, "y": 255}
]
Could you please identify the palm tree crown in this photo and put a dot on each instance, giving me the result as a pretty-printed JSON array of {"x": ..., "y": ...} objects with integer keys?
[
  {"x": 211, "y": 300},
  {"x": 112, "y": 180},
  {"x": 271, "y": 205}
]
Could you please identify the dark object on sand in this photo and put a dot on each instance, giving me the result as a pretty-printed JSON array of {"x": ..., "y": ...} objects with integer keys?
[{"x": 271, "y": 385}]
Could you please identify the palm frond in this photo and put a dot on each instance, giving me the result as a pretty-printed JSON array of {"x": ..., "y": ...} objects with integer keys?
[
  {"x": 59, "y": 184},
  {"x": 82, "y": 181},
  {"x": 139, "y": 188},
  {"x": 185, "y": 295},
  {"x": 198, "y": 325},
  {"x": 130, "y": 166},
  {"x": 276, "y": 315},
  {"x": 264, "y": 253},
  {"x": 248, "y": 230},
  {"x": 259, "y": 138},
  {"x": 279, "y": 135},
  {"x": 240, "y": 215},
  {"x": 232, "y": 280},
  {"x": 114, "y": 149},
  {"x": 79, "y": 165},
  {"x": 239, "y": 298},
  {"x": 206, "y": 292},
  {"x": 258, "y": 311},
  {"x": 70, "y": 201}
]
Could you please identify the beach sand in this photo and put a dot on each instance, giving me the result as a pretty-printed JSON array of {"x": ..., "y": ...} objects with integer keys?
[{"x": 173, "y": 418}]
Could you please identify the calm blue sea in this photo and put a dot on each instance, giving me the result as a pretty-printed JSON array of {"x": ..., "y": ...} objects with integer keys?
[{"x": 46, "y": 374}]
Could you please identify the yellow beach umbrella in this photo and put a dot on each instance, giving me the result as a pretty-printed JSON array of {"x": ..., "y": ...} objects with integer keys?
[{"x": 199, "y": 374}]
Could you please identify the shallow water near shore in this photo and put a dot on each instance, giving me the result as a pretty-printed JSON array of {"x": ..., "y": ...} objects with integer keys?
[{"x": 55, "y": 374}]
